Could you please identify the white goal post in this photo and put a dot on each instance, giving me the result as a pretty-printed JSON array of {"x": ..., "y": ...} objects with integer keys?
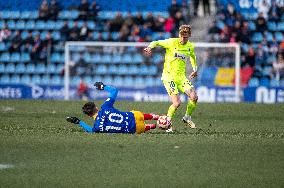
[{"x": 77, "y": 45}]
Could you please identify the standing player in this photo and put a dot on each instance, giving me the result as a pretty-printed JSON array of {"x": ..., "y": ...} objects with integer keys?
[
  {"x": 179, "y": 52},
  {"x": 110, "y": 120}
]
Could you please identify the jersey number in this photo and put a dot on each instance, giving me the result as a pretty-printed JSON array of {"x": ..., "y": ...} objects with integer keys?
[{"x": 116, "y": 118}]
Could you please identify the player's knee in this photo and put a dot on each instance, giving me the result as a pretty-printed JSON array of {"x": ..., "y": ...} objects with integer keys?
[
  {"x": 177, "y": 103},
  {"x": 193, "y": 96}
]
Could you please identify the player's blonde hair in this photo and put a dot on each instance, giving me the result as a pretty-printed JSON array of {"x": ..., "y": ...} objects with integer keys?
[{"x": 185, "y": 30}]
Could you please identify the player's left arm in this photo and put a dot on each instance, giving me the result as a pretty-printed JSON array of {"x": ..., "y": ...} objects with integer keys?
[
  {"x": 112, "y": 93},
  {"x": 193, "y": 62}
]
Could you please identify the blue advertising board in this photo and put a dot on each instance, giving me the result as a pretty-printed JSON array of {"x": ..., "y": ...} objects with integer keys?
[{"x": 154, "y": 94}]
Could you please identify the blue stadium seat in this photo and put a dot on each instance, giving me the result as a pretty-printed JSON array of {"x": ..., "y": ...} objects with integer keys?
[
  {"x": 2, "y": 46},
  {"x": 251, "y": 26},
  {"x": 40, "y": 68},
  {"x": 112, "y": 69},
  {"x": 102, "y": 69},
  {"x": 274, "y": 83},
  {"x": 253, "y": 82},
  {"x": 2, "y": 68},
  {"x": 264, "y": 82},
  {"x": 26, "y": 79},
  {"x": 56, "y": 80},
  {"x": 128, "y": 81},
  {"x": 106, "y": 58},
  {"x": 26, "y": 15},
  {"x": 70, "y": 23},
  {"x": 2, "y": 24},
  {"x": 115, "y": 35},
  {"x": 152, "y": 70},
  {"x": 59, "y": 24},
  {"x": 40, "y": 25},
  {"x": 15, "y": 57},
  {"x": 107, "y": 80},
  {"x": 10, "y": 68},
  {"x": 5, "y": 79},
  {"x": 89, "y": 80},
  {"x": 91, "y": 25},
  {"x": 45, "y": 79},
  {"x": 267, "y": 70},
  {"x": 30, "y": 24},
  {"x": 138, "y": 58},
  {"x": 55, "y": 57},
  {"x": 118, "y": 81},
  {"x": 5, "y": 57},
  {"x": 278, "y": 36},
  {"x": 257, "y": 37},
  {"x": 55, "y": 35},
  {"x": 50, "y": 25},
  {"x": 269, "y": 36},
  {"x": 149, "y": 81},
  {"x": 11, "y": 24},
  {"x": 126, "y": 58},
  {"x": 35, "y": 79},
  {"x": 105, "y": 35},
  {"x": 25, "y": 57},
  {"x": 43, "y": 35},
  {"x": 30, "y": 68},
  {"x": 67, "y": 14},
  {"x": 280, "y": 26},
  {"x": 139, "y": 81},
  {"x": 24, "y": 34},
  {"x": 59, "y": 68},
  {"x": 15, "y": 79},
  {"x": 20, "y": 68},
  {"x": 116, "y": 58},
  {"x": 144, "y": 70},
  {"x": 157, "y": 58},
  {"x": 271, "y": 26},
  {"x": 133, "y": 70},
  {"x": 51, "y": 68},
  {"x": 87, "y": 57},
  {"x": 122, "y": 69},
  {"x": 20, "y": 25}
]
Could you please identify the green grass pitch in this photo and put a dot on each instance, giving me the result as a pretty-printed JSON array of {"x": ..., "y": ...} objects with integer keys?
[{"x": 236, "y": 145}]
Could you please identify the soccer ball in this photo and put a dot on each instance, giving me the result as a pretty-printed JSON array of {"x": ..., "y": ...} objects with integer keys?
[{"x": 164, "y": 122}]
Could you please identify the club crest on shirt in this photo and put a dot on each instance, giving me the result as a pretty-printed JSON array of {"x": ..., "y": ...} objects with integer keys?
[{"x": 180, "y": 56}]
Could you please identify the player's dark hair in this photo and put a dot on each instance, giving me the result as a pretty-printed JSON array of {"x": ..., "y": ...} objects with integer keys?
[
  {"x": 89, "y": 108},
  {"x": 185, "y": 29}
]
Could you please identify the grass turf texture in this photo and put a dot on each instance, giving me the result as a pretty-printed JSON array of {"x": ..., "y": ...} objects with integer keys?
[{"x": 236, "y": 145}]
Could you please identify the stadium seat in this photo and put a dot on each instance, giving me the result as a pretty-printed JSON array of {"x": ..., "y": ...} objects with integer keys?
[
  {"x": 251, "y": 25},
  {"x": 55, "y": 35},
  {"x": 40, "y": 25},
  {"x": 59, "y": 24},
  {"x": 35, "y": 79},
  {"x": 91, "y": 25},
  {"x": 112, "y": 69},
  {"x": 30, "y": 68},
  {"x": 26, "y": 79},
  {"x": 153, "y": 70},
  {"x": 128, "y": 81},
  {"x": 20, "y": 25},
  {"x": 257, "y": 37},
  {"x": 149, "y": 81},
  {"x": 101, "y": 69},
  {"x": 30, "y": 24},
  {"x": 87, "y": 57},
  {"x": 15, "y": 79},
  {"x": 264, "y": 81},
  {"x": 139, "y": 82},
  {"x": 10, "y": 68},
  {"x": 5, "y": 57},
  {"x": 25, "y": 57},
  {"x": 56, "y": 80},
  {"x": 116, "y": 58},
  {"x": 271, "y": 26},
  {"x": 138, "y": 58},
  {"x": 2, "y": 46},
  {"x": 106, "y": 58},
  {"x": 133, "y": 70},
  {"x": 45, "y": 79},
  {"x": 50, "y": 25},
  {"x": 280, "y": 26},
  {"x": 11, "y": 24},
  {"x": 122, "y": 70},
  {"x": 278, "y": 36},
  {"x": 5, "y": 79},
  {"x": 269, "y": 36},
  {"x": 118, "y": 81},
  {"x": 253, "y": 82},
  {"x": 107, "y": 80},
  {"x": 55, "y": 58},
  {"x": 25, "y": 15},
  {"x": 126, "y": 58},
  {"x": 2, "y": 68},
  {"x": 274, "y": 83},
  {"x": 20, "y": 68},
  {"x": 115, "y": 35},
  {"x": 15, "y": 57},
  {"x": 40, "y": 68}
]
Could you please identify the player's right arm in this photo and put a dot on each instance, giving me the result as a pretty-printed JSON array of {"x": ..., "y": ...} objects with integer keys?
[{"x": 162, "y": 43}]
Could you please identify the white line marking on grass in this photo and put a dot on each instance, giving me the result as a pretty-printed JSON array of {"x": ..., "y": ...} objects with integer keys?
[{"x": 4, "y": 166}]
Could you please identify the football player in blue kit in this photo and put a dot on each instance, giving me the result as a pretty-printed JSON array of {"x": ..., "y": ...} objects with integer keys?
[{"x": 111, "y": 120}]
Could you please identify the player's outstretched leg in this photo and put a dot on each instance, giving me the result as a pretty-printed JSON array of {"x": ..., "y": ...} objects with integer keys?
[
  {"x": 149, "y": 126},
  {"x": 151, "y": 116}
]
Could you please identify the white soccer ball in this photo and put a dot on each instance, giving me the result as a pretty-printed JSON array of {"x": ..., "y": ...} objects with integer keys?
[{"x": 164, "y": 122}]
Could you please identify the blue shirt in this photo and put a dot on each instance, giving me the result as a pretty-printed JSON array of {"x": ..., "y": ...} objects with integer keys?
[{"x": 111, "y": 120}]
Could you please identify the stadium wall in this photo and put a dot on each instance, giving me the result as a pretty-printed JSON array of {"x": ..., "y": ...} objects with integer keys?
[
  {"x": 269, "y": 95},
  {"x": 121, "y": 5}
]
